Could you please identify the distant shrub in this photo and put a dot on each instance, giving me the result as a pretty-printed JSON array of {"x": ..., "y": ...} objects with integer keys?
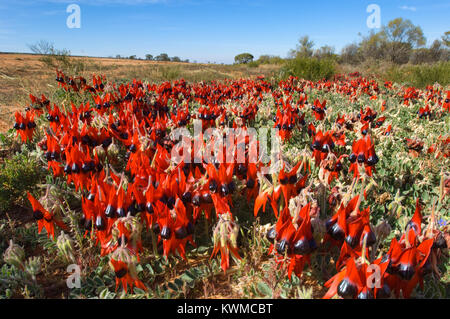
[
  {"x": 253, "y": 64},
  {"x": 164, "y": 57},
  {"x": 270, "y": 59},
  {"x": 420, "y": 75},
  {"x": 243, "y": 58},
  {"x": 310, "y": 68}
]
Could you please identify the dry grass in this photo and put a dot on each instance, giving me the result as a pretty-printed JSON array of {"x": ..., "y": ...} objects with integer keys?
[{"x": 22, "y": 74}]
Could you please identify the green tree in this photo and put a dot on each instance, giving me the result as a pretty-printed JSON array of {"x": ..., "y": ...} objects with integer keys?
[
  {"x": 304, "y": 48},
  {"x": 446, "y": 39},
  {"x": 243, "y": 58},
  {"x": 401, "y": 37},
  {"x": 149, "y": 57},
  {"x": 270, "y": 59},
  {"x": 373, "y": 46},
  {"x": 325, "y": 52},
  {"x": 351, "y": 54},
  {"x": 163, "y": 57}
]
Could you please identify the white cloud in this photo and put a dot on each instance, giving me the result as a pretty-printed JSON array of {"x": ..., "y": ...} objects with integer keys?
[{"x": 414, "y": 9}]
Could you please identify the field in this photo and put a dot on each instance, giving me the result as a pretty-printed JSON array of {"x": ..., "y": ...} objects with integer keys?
[
  {"x": 88, "y": 181},
  {"x": 21, "y": 74}
]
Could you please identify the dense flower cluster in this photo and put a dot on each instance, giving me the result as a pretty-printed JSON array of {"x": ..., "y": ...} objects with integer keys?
[{"x": 143, "y": 190}]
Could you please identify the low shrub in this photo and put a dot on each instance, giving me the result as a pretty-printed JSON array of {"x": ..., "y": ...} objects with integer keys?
[
  {"x": 18, "y": 175},
  {"x": 313, "y": 69},
  {"x": 420, "y": 75}
]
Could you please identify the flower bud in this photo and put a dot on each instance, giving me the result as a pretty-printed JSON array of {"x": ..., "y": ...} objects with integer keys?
[
  {"x": 14, "y": 255},
  {"x": 113, "y": 151},
  {"x": 383, "y": 229},
  {"x": 223, "y": 235},
  {"x": 100, "y": 152},
  {"x": 234, "y": 236},
  {"x": 65, "y": 247},
  {"x": 33, "y": 266}
]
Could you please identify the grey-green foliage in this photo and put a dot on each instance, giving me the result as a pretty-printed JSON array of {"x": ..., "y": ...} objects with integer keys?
[
  {"x": 18, "y": 174},
  {"x": 16, "y": 282}
]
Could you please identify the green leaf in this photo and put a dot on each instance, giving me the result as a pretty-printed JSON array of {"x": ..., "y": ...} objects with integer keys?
[
  {"x": 150, "y": 269},
  {"x": 158, "y": 268},
  {"x": 179, "y": 282},
  {"x": 202, "y": 249},
  {"x": 167, "y": 294},
  {"x": 295, "y": 280},
  {"x": 188, "y": 277},
  {"x": 90, "y": 282},
  {"x": 164, "y": 261},
  {"x": 172, "y": 286},
  {"x": 104, "y": 294},
  {"x": 139, "y": 291},
  {"x": 99, "y": 281},
  {"x": 264, "y": 289}
]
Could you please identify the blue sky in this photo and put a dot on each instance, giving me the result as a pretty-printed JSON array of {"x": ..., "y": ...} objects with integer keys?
[{"x": 204, "y": 30}]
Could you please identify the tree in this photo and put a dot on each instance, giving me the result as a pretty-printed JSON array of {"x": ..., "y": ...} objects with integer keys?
[
  {"x": 270, "y": 59},
  {"x": 324, "y": 52},
  {"x": 351, "y": 54},
  {"x": 163, "y": 57},
  {"x": 42, "y": 47},
  {"x": 264, "y": 59},
  {"x": 304, "y": 48},
  {"x": 175, "y": 59},
  {"x": 435, "y": 53},
  {"x": 401, "y": 37},
  {"x": 373, "y": 46},
  {"x": 149, "y": 57},
  {"x": 132, "y": 57},
  {"x": 446, "y": 39},
  {"x": 47, "y": 48},
  {"x": 243, "y": 58}
]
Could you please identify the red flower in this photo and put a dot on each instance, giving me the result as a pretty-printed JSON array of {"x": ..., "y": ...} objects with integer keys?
[
  {"x": 319, "y": 109},
  {"x": 25, "y": 126},
  {"x": 446, "y": 104},
  {"x": 363, "y": 154},
  {"x": 44, "y": 218},
  {"x": 124, "y": 277}
]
